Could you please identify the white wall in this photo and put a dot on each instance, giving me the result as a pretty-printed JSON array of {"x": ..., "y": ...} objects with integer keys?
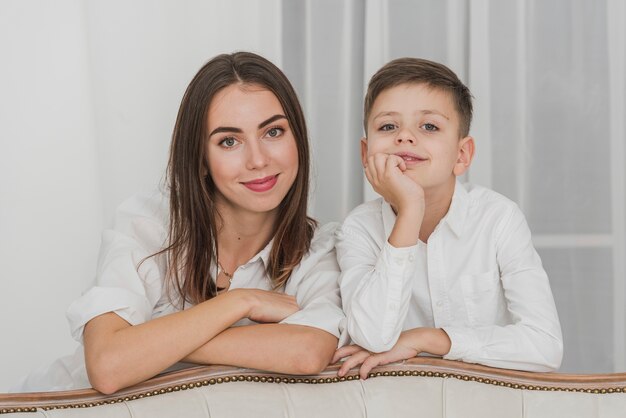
[{"x": 89, "y": 92}]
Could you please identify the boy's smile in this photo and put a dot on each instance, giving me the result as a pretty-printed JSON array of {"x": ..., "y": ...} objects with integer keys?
[
  {"x": 419, "y": 124},
  {"x": 410, "y": 158}
]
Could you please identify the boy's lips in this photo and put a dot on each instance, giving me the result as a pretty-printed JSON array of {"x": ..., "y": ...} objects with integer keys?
[
  {"x": 410, "y": 158},
  {"x": 261, "y": 185}
]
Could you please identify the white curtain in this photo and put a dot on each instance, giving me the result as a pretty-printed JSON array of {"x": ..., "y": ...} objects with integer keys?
[{"x": 89, "y": 92}]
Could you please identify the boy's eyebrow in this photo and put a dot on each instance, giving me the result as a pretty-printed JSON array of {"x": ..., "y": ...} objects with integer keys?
[
  {"x": 425, "y": 112},
  {"x": 434, "y": 112},
  {"x": 237, "y": 130}
]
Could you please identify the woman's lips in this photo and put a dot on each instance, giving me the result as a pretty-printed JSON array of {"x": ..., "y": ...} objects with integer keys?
[{"x": 261, "y": 185}]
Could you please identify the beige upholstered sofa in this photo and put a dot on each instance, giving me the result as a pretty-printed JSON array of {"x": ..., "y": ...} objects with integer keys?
[{"x": 420, "y": 387}]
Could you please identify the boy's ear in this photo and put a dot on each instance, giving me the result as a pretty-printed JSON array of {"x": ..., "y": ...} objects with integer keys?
[
  {"x": 364, "y": 151},
  {"x": 465, "y": 156}
]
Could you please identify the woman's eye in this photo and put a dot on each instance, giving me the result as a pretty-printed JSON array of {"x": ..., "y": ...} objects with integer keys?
[
  {"x": 228, "y": 142},
  {"x": 274, "y": 132},
  {"x": 430, "y": 127},
  {"x": 388, "y": 127}
]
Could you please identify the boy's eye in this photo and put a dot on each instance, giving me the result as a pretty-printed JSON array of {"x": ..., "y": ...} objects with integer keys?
[
  {"x": 228, "y": 142},
  {"x": 430, "y": 127},
  {"x": 387, "y": 127}
]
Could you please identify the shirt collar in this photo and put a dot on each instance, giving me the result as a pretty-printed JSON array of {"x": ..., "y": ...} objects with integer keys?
[
  {"x": 263, "y": 255},
  {"x": 455, "y": 218},
  {"x": 457, "y": 214}
]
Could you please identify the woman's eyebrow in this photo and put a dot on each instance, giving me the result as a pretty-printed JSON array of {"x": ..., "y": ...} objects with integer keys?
[
  {"x": 270, "y": 120},
  {"x": 225, "y": 129},
  {"x": 237, "y": 130}
]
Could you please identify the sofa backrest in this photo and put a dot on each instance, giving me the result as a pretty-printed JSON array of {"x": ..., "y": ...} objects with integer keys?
[{"x": 420, "y": 387}]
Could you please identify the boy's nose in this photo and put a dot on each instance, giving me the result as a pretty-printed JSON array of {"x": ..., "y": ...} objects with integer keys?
[{"x": 405, "y": 138}]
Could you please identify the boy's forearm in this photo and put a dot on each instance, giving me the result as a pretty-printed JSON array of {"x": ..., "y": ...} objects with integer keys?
[
  {"x": 406, "y": 230},
  {"x": 428, "y": 340}
]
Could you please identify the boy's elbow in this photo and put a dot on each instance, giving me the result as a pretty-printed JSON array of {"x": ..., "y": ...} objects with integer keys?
[{"x": 372, "y": 343}]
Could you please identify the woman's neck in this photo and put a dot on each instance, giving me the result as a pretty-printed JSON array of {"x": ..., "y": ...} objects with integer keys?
[{"x": 241, "y": 235}]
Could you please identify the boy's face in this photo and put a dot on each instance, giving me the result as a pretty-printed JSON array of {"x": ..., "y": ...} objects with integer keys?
[{"x": 420, "y": 124}]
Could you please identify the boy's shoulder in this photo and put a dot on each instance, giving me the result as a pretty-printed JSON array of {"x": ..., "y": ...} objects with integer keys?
[
  {"x": 368, "y": 211},
  {"x": 365, "y": 218},
  {"x": 485, "y": 197},
  {"x": 484, "y": 203}
]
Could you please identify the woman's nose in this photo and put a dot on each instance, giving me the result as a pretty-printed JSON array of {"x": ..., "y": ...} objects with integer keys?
[{"x": 257, "y": 156}]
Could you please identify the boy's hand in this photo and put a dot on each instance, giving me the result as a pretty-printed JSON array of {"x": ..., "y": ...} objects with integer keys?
[
  {"x": 385, "y": 172},
  {"x": 409, "y": 345}
]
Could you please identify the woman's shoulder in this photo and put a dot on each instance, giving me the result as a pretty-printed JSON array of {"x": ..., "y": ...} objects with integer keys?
[
  {"x": 322, "y": 248},
  {"x": 152, "y": 206},
  {"x": 323, "y": 239}
]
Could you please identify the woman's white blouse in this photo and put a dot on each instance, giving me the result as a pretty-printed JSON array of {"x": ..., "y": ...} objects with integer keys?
[
  {"x": 479, "y": 278},
  {"x": 138, "y": 294}
]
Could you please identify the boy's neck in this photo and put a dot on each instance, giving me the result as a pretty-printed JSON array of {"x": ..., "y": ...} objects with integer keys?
[{"x": 438, "y": 202}]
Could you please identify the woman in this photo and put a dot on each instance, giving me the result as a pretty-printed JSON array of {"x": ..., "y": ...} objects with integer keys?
[{"x": 234, "y": 246}]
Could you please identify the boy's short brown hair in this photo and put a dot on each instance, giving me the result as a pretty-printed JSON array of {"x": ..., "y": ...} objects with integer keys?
[{"x": 421, "y": 71}]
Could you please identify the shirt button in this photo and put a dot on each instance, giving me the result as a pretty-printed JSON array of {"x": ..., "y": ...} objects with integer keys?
[
  {"x": 411, "y": 258},
  {"x": 440, "y": 303}
]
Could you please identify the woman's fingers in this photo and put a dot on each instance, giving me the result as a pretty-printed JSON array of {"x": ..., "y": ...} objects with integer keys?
[
  {"x": 353, "y": 361},
  {"x": 271, "y": 306}
]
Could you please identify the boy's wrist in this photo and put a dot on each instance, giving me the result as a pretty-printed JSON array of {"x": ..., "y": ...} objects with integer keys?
[
  {"x": 406, "y": 230},
  {"x": 429, "y": 340}
]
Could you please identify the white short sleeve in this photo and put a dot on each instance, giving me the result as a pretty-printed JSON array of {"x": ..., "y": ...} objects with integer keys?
[
  {"x": 314, "y": 283},
  {"x": 128, "y": 281}
]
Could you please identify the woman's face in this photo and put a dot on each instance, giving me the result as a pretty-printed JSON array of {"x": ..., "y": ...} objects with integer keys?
[{"x": 251, "y": 152}]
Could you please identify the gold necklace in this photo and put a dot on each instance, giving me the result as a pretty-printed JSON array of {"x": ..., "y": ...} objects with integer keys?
[{"x": 227, "y": 274}]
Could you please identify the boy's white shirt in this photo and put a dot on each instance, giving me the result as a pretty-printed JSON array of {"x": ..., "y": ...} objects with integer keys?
[{"x": 479, "y": 278}]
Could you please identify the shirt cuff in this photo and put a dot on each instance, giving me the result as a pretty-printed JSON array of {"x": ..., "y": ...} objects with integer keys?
[
  {"x": 324, "y": 315},
  {"x": 130, "y": 306},
  {"x": 398, "y": 265},
  {"x": 464, "y": 344}
]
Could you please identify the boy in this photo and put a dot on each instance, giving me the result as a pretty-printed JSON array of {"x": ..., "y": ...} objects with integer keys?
[{"x": 437, "y": 266}]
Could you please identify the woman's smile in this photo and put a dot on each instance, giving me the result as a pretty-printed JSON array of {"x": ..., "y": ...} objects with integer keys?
[{"x": 261, "y": 185}]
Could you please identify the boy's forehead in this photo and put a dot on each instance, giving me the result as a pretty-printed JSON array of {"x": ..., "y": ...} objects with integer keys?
[{"x": 394, "y": 98}]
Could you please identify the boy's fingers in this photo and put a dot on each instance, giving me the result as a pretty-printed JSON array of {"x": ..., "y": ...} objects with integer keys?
[
  {"x": 345, "y": 351},
  {"x": 353, "y": 361},
  {"x": 368, "y": 365},
  {"x": 380, "y": 161}
]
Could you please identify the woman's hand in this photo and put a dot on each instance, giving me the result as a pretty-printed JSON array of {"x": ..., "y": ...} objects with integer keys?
[{"x": 267, "y": 306}]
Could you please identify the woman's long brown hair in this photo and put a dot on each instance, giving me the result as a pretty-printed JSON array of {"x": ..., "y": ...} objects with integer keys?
[{"x": 192, "y": 245}]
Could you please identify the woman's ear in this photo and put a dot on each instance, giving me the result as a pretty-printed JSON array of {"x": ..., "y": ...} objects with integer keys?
[
  {"x": 465, "y": 155},
  {"x": 364, "y": 151}
]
